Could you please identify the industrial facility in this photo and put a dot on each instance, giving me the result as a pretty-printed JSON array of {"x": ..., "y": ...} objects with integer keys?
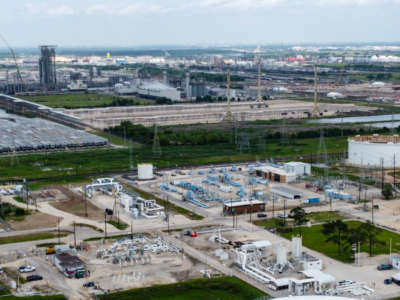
[{"x": 205, "y": 113}]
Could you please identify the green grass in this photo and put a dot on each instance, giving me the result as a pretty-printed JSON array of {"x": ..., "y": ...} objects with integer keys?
[
  {"x": 324, "y": 216},
  {"x": 19, "y": 199},
  {"x": 313, "y": 238},
  {"x": 66, "y": 167},
  {"x": 89, "y": 226},
  {"x": 29, "y": 237},
  {"x": 120, "y": 225},
  {"x": 172, "y": 207},
  {"x": 222, "y": 288},
  {"x": 115, "y": 237},
  {"x": 314, "y": 217},
  {"x": 79, "y": 100}
]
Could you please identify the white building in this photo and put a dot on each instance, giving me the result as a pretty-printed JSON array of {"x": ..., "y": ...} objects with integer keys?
[
  {"x": 375, "y": 149},
  {"x": 275, "y": 174},
  {"x": 298, "y": 168},
  {"x": 149, "y": 89}
]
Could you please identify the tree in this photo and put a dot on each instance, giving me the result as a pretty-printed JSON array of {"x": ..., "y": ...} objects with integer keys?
[
  {"x": 299, "y": 216},
  {"x": 372, "y": 233},
  {"x": 336, "y": 231},
  {"x": 387, "y": 191}
]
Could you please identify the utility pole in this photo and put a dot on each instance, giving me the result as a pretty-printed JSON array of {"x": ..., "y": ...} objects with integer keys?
[
  {"x": 167, "y": 215},
  {"x": 382, "y": 175},
  {"x": 284, "y": 212},
  {"x": 273, "y": 205},
  {"x": 394, "y": 170},
  {"x": 228, "y": 116},
  {"x": 105, "y": 224},
  {"x": 58, "y": 230},
  {"x": 74, "y": 235},
  {"x": 86, "y": 211},
  {"x": 315, "y": 111},
  {"x": 372, "y": 210},
  {"x": 131, "y": 230}
]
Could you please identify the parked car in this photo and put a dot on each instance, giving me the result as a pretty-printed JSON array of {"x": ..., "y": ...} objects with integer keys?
[
  {"x": 283, "y": 216},
  {"x": 261, "y": 215},
  {"x": 388, "y": 281},
  {"x": 89, "y": 284},
  {"x": 34, "y": 277},
  {"x": 26, "y": 269},
  {"x": 384, "y": 267}
]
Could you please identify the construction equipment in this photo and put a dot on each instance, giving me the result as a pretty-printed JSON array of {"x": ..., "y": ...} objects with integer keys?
[{"x": 19, "y": 77}]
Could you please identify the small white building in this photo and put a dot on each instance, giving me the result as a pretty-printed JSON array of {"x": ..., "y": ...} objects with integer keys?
[
  {"x": 396, "y": 262},
  {"x": 275, "y": 174},
  {"x": 298, "y": 168}
]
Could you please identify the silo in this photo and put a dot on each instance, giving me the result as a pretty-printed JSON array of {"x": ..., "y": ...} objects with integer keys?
[{"x": 145, "y": 171}]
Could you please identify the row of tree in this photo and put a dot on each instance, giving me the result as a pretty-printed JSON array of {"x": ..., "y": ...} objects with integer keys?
[
  {"x": 145, "y": 135},
  {"x": 142, "y": 134},
  {"x": 338, "y": 232}
]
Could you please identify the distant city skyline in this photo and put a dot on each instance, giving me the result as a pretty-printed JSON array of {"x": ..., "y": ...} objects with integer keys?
[{"x": 133, "y": 23}]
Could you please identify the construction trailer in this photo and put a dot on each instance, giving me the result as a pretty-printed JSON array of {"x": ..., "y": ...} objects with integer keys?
[
  {"x": 243, "y": 207},
  {"x": 275, "y": 174},
  {"x": 70, "y": 265}
]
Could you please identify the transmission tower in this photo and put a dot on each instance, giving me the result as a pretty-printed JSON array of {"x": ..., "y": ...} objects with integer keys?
[
  {"x": 244, "y": 143},
  {"x": 156, "y": 142},
  {"x": 130, "y": 155},
  {"x": 261, "y": 143},
  {"x": 228, "y": 115},
  {"x": 322, "y": 156},
  {"x": 259, "y": 97},
  {"x": 315, "y": 112},
  {"x": 284, "y": 133}
]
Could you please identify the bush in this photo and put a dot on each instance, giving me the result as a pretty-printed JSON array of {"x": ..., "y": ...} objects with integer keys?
[{"x": 387, "y": 191}]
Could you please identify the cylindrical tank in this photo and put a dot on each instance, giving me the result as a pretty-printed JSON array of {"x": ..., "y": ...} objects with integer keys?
[
  {"x": 374, "y": 150},
  {"x": 297, "y": 249},
  {"x": 145, "y": 171}
]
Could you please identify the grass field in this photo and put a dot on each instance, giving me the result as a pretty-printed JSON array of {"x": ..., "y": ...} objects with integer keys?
[
  {"x": 79, "y": 100},
  {"x": 314, "y": 217},
  {"x": 314, "y": 239},
  {"x": 62, "y": 167},
  {"x": 223, "y": 288},
  {"x": 30, "y": 237}
]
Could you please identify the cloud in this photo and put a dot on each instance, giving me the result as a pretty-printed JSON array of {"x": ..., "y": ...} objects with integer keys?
[
  {"x": 354, "y": 2},
  {"x": 43, "y": 9},
  {"x": 137, "y": 8},
  {"x": 157, "y": 7}
]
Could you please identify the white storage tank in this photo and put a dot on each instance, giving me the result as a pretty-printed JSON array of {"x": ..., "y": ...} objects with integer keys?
[
  {"x": 145, "y": 171},
  {"x": 374, "y": 149}
]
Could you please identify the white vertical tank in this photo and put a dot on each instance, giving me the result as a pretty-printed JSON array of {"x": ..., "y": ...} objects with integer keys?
[
  {"x": 145, "y": 171},
  {"x": 281, "y": 255},
  {"x": 297, "y": 248}
]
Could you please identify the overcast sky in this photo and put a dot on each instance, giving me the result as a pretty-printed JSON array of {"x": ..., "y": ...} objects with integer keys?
[{"x": 197, "y": 22}]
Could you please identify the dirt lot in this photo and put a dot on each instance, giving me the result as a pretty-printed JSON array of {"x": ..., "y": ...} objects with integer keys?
[
  {"x": 34, "y": 221},
  {"x": 75, "y": 204}
]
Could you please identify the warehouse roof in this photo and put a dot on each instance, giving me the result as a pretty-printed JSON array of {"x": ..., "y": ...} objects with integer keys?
[
  {"x": 36, "y": 133},
  {"x": 69, "y": 261},
  {"x": 243, "y": 203},
  {"x": 274, "y": 170}
]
